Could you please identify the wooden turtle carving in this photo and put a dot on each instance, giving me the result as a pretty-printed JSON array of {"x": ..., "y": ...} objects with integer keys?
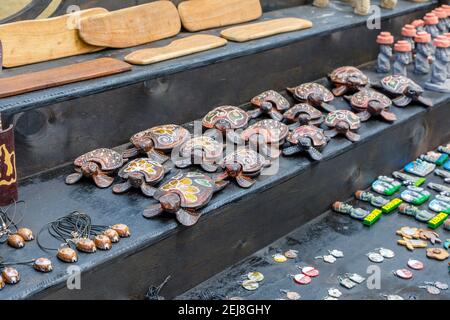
[
  {"x": 343, "y": 122},
  {"x": 226, "y": 120},
  {"x": 368, "y": 103},
  {"x": 303, "y": 114},
  {"x": 314, "y": 94},
  {"x": 98, "y": 165},
  {"x": 404, "y": 90},
  {"x": 183, "y": 195},
  {"x": 201, "y": 150},
  {"x": 269, "y": 102},
  {"x": 242, "y": 165},
  {"x": 141, "y": 174},
  {"x": 268, "y": 135},
  {"x": 347, "y": 79},
  {"x": 307, "y": 139},
  {"x": 157, "y": 141}
]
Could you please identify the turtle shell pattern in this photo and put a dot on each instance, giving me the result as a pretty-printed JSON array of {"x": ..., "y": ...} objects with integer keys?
[
  {"x": 304, "y": 90},
  {"x": 165, "y": 137},
  {"x": 360, "y": 100},
  {"x": 272, "y": 96},
  {"x": 211, "y": 148},
  {"x": 107, "y": 159},
  {"x": 396, "y": 83},
  {"x": 292, "y": 113},
  {"x": 343, "y": 115},
  {"x": 250, "y": 160},
  {"x": 273, "y": 131},
  {"x": 316, "y": 135},
  {"x": 152, "y": 170},
  {"x": 194, "y": 188},
  {"x": 341, "y": 75},
  {"x": 236, "y": 117}
]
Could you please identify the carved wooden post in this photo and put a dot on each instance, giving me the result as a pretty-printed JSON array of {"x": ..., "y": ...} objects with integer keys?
[{"x": 8, "y": 173}]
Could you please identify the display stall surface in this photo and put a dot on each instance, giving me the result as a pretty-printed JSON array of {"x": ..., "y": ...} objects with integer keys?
[{"x": 235, "y": 224}]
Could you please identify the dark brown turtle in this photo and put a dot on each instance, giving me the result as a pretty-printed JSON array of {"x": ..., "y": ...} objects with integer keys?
[
  {"x": 142, "y": 174},
  {"x": 157, "y": 141},
  {"x": 348, "y": 79},
  {"x": 242, "y": 165},
  {"x": 183, "y": 195},
  {"x": 267, "y": 134},
  {"x": 343, "y": 122},
  {"x": 201, "y": 150},
  {"x": 303, "y": 114},
  {"x": 271, "y": 103},
  {"x": 314, "y": 94},
  {"x": 226, "y": 120},
  {"x": 309, "y": 139},
  {"x": 369, "y": 102},
  {"x": 98, "y": 165}
]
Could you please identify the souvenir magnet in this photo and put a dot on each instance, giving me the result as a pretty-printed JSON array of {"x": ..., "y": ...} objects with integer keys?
[
  {"x": 327, "y": 258},
  {"x": 435, "y": 157},
  {"x": 279, "y": 258},
  {"x": 255, "y": 276},
  {"x": 431, "y": 289},
  {"x": 437, "y": 254},
  {"x": 386, "y": 253},
  {"x": 415, "y": 195},
  {"x": 440, "y": 203},
  {"x": 429, "y": 235},
  {"x": 356, "y": 213},
  {"x": 420, "y": 168},
  {"x": 310, "y": 271},
  {"x": 412, "y": 244},
  {"x": 291, "y": 254},
  {"x": 408, "y": 232},
  {"x": 291, "y": 295},
  {"x": 346, "y": 283},
  {"x": 403, "y": 273},
  {"x": 336, "y": 253},
  {"x": 445, "y": 149},
  {"x": 374, "y": 200},
  {"x": 386, "y": 185},
  {"x": 443, "y": 174},
  {"x": 375, "y": 257},
  {"x": 355, "y": 277},
  {"x": 335, "y": 293},
  {"x": 420, "y": 215},
  {"x": 408, "y": 179},
  {"x": 437, "y": 221},
  {"x": 392, "y": 205},
  {"x": 415, "y": 264},
  {"x": 444, "y": 190},
  {"x": 250, "y": 285},
  {"x": 373, "y": 217},
  {"x": 302, "y": 279}
]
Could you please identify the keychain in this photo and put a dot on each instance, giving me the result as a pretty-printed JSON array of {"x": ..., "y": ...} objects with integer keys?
[
  {"x": 291, "y": 254},
  {"x": 386, "y": 253},
  {"x": 335, "y": 293},
  {"x": 336, "y": 253},
  {"x": 375, "y": 257},
  {"x": 415, "y": 264},
  {"x": 431, "y": 289},
  {"x": 291, "y": 295},
  {"x": 302, "y": 279},
  {"x": 310, "y": 271},
  {"x": 403, "y": 273},
  {"x": 355, "y": 277},
  {"x": 250, "y": 285},
  {"x": 346, "y": 283},
  {"x": 407, "y": 179},
  {"x": 280, "y": 258},
  {"x": 255, "y": 276},
  {"x": 438, "y": 284},
  {"x": 327, "y": 258}
]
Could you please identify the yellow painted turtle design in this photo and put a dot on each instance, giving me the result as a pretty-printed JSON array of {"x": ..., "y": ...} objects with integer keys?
[
  {"x": 369, "y": 102},
  {"x": 347, "y": 79},
  {"x": 343, "y": 122},
  {"x": 183, "y": 195},
  {"x": 226, "y": 119},
  {"x": 309, "y": 139},
  {"x": 98, "y": 165},
  {"x": 142, "y": 174},
  {"x": 157, "y": 141},
  {"x": 314, "y": 94},
  {"x": 201, "y": 150},
  {"x": 269, "y": 102},
  {"x": 303, "y": 114}
]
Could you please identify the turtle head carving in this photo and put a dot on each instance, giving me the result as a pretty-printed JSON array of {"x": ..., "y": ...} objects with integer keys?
[
  {"x": 304, "y": 118},
  {"x": 413, "y": 90},
  {"x": 90, "y": 168},
  {"x": 136, "y": 179},
  {"x": 375, "y": 107},
  {"x": 223, "y": 125},
  {"x": 342, "y": 127},
  {"x": 315, "y": 99},
  {"x": 233, "y": 169},
  {"x": 266, "y": 106},
  {"x": 170, "y": 202}
]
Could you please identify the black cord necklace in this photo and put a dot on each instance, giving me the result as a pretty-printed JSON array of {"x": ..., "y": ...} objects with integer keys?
[
  {"x": 9, "y": 230},
  {"x": 10, "y": 275}
]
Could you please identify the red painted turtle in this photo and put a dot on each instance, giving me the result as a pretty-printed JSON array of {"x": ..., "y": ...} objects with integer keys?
[
  {"x": 405, "y": 90},
  {"x": 201, "y": 150},
  {"x": 157, "y": 141},
  {"x": 343, "y": 122},
  {"x": 368, "y": 103},
  {"x": 307, "y": 139},
  {"x": 183, "y": 195},
  {"x": 226, "y": 120},
  {"x": 348, "y": 79},
  {"x": 98, "y": 165},
  {"x": 271, "y": 103},
  {"x": 242, "y": 165},
  {"x": 143, "y": 174},
  {"x": 303, "y": 114},
  {"x": 315, "y": 94}
]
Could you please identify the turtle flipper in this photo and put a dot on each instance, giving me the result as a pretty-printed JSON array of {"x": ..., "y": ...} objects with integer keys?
[
  {"x": 275, "y": 115},
  {"x": 187, "y": 218},
  {"x": 74, "y": 178},
  {"x": 294, "y": 126},
  {"x": 157, "y": 156},
  {"x": 148, "y": 190},
  {"x": 254, "y": 113},
  {"x": 331, "y": 133},
  {"x": 339, "y": 90},
  {"x": 130, "y": 153},
  {"x": 221, "y": 176},
  {"x": 289, "y": 151},
  {"x": 209, "y": 167},
  {"x": 121, "y": 187},
  {"x": 425, "y": 101},
  {"x": 388, "y": 116},
  {"x": 220, "y": 185},
  {"x": 364, "y": 116},
  {"x": 352, "y": 136},
  {"x": 152, "y": 211},
  {"x": 102, "y": 180},
  {"x": 314, "y": 154},
  {"x": 402, "y": 101},
  {"x": 244, "y": 181},
  {"x": 327, "y": 107}
]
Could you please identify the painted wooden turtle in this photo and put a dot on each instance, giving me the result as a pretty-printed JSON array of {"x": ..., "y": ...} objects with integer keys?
[
  {"x": 348, "y": 79},
  {"x": 98, "y": 165},
  {"x": 404, "y": 89},
  {"x": 315, "y": 94},
  {"x": 309, "y": 139},
  {"x": 183, "y": 195},
  {"x": 201, "y": 150},
  {"x": 268, "y": 135},
  {"x": 142, "y": 174},
  {"x": 269, "y": 102},
  {"x": 226, "y": 120},
  {"x": 303, "y": 114},
  {"x": 157, "y": 141},
  {"x": 368, "y": 103},
  {"x": 343, "y": 122},
  {"x": 242, "y": 165}
]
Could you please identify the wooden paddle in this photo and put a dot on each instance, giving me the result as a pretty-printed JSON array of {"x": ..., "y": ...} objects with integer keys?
[
  {"x": 177, "y": 48},
  {"x": 32, "y": 41},
  {"x": 205, "y": 14},
  {"x": 265, "y": 29},
  {"x": 62, "y": 75},
  {"x": 132, "y": 26}
]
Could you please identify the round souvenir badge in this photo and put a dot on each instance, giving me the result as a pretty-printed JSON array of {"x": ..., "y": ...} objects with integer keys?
[
  {"x": 375, "y": 257},
  {"x": 415, "y": 264},
  {"x": 302, "y": 279},
  {"x": 279, "y": 258},
  {"x": 250, "y": 285},
  {"x": 255, "y": 276},
  {"x": 336, "y": 253},
  {"x": 291, "y": 254},
  {"x": 404, "y": 273},
  {"x": 386, "y": 253},
  {"x": 310, "y": 272},
  {"x": 335, "y": 293}
]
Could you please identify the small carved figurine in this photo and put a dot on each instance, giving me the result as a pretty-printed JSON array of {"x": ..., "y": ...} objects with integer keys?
[
  {"x": 408, "y": 34},
  {"x": 271, "y": 103},
  {"x": 423, "y": 52},
  {"x": 431, "y": 21},
  {"x": 385, "y": 41},
  {"x": 348, "y": 79},
  {"x": 418, "y": 24},
  {"x": 402, "y": 57},
  {"x": 442, "y": 16},
  {"x": 438, "y": 81}
]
